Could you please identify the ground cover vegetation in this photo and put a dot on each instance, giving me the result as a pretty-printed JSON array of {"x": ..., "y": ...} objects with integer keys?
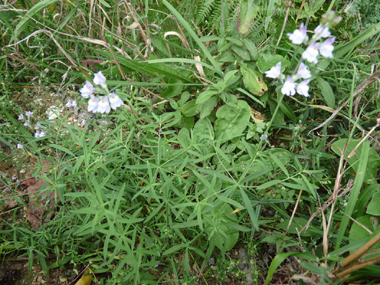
[{"x": 190, "y": 142}]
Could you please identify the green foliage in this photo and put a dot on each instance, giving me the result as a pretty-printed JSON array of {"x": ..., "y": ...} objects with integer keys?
[
  {"x": 366, "y": 12},
  {"x": 204, "y": 148}
]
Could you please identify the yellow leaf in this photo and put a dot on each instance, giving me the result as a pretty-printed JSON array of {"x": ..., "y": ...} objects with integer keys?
[{"x": 85, "y": 279}]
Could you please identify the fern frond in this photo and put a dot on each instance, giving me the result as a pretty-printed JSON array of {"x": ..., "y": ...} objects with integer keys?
[{"x": 204, "y": 10}]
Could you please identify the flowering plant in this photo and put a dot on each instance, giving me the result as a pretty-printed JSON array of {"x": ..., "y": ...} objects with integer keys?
[
  {"x": 290, "y": 87},
  {"x": 101, "y": 104}
]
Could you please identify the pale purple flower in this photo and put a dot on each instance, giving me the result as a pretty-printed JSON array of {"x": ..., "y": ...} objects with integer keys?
[
  {"x": 87, "y": 90},
  {"x": 14, "y": 177},
  {"x": 115, "y": 100},
  {"x": 321, "y": 32},
  {"x": 275, "y": 71},
  {"x": 93, "y": 104},
  {"x": 84, "y": 122},
  {"x": 299, "y": 35},
  {"x": 84, "y": 115},
  {"x": 303, "y": 71},
  {"x": 327, "y": 47},
  {"x": 71, "y": 103},
  {"x": 38, "y": 125},
  {"x": 303, "y": 88},
  {"x": 289, "y": 87},
  {"x": 311, "y": 53},
  {"x": 28, "y": 114},
  {"x": 99, "y": 79},
  {"x": 104, "y": 122},
  {"x": 21, "y": 117},
  {"x": 264, "y": 137},
  {"x": 104, "y": 106},
  {"x": 27, "y": 124},
  {"x": 19, "y": 145}
]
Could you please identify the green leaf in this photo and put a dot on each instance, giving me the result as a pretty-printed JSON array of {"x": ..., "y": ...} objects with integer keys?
[
  {"x": 253, "y": 80},
  {"x": 248, "y": 12},
  {"x": 207, "y": 107},
  {"x": 241, "y": 52},
  {"x": 363, "y": 160},
  {"x": 28, "y": 16},
  {"x": 205, "y": 95},
  {"x": 357, "y": 232},
  {"x": 190, "y": 109},
  {"x": 173, "y": 90},
  {"x": 232, "y": 121},
  {"x": 251, "y": 48},
  {"x": 374, "y": 205},
  {"x": 267, "y": 61},
  {"x": 281, "y": 257},
  {"x": 326, "y": 92},
  {"x": 373, "y": 159}
]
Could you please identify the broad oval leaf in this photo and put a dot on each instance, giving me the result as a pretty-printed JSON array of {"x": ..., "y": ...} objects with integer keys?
[{"x": 232, "y": 121}]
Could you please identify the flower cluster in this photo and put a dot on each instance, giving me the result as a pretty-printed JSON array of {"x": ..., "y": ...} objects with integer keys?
[
  {"x": 314, "y": 48},
  {"x": 38, "y": 134},
  {"x": 101, "y": 104}
]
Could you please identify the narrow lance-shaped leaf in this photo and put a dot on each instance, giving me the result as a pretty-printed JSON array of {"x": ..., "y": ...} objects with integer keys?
[{"x": 248, "y": 12}]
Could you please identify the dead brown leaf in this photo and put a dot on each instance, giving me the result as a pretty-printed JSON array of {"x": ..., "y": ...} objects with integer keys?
[{"x": 40, "y": 203}]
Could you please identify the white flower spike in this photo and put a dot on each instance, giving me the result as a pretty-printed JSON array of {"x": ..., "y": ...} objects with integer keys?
[
  {"x": 303, "y": 88},
  {"x": 275, "y": 71},
  {"x": 115, "y": 101},
  {"x": 326, "y": 48},
  {"x": 311, "y": 53},
  {"x": 299, "y": 35},
  {"x": 104, "y": 105},
  {"x": 289, "y": 87},
  {"x": 87, "y": 90}
]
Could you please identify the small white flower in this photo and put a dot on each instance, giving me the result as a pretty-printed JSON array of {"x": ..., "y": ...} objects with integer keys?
[
  {"x": 311, "y": 53},
  {"x": 321, "y": 32},
  {"x": 289, "y": 87},
  {"x": 87, "y": 90},
  {"x": 28, "y": 114},
  {"x": 74, "y": 103},
  {"x": 42, "y": 134},
  {"x": 84, "y": 122},
  {"x": 69, "y": 104},
  {"x": 27, "y": 124},
  {"x": 303, "y": 71},
  {"x": 299, "y": 35},
  {"x": 38, "y": 125},
  {"x": 99, "y": 79},
  {"x": 104, "y": 106},
  {"x": 19, "y": 145},
  {"x": 303, "y": 88},
  {"x": 21, "y": 117},
  {"x": 275, "y": 71},
  {"x": 93, "y": 104},
  {"x": 326, "y": 48},
  {"x": 115, "y": 100}
]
